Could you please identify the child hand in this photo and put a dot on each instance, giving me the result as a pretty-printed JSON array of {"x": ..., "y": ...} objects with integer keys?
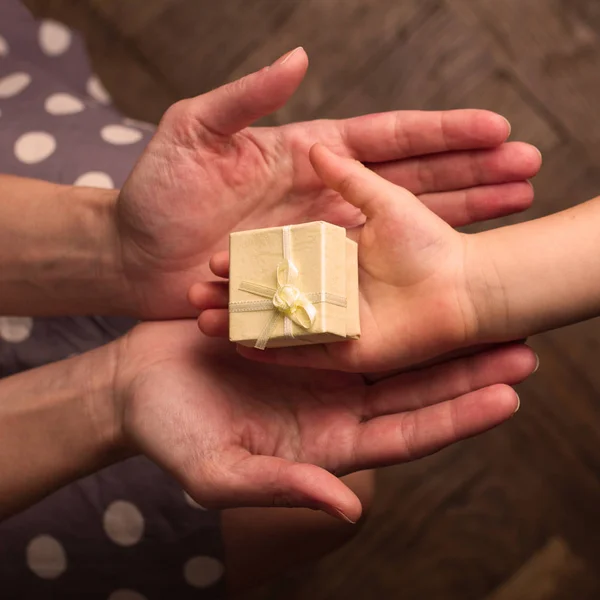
[{"x": 414, "y": 291}]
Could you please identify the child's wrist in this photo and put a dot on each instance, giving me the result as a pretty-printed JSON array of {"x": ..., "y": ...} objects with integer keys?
[{"x": 485, "y": 292}]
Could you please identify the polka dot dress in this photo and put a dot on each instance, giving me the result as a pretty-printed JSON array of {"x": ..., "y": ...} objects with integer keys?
[{"x": 128, "y": 532}]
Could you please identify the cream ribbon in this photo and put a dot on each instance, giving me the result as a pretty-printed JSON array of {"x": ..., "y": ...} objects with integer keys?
[{"x": 287, "y": 300}]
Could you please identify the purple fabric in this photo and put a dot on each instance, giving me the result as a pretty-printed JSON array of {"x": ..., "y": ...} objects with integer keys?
[{"x": 127, "y": 532}]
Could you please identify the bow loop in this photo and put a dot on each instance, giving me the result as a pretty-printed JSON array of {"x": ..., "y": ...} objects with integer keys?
[
  {"x": 305, "y": 313},
  {"x": 287, "y": 273},
  {"x": 294, "y": 305}
]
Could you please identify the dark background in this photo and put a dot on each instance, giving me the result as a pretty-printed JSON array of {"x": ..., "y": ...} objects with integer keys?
[{"x": 514, "y": 514}]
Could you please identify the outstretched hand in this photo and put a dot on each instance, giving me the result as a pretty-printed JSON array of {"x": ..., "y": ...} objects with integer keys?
[
  {"x": 235, "y": 433},
  {"x": 206, "y": 173}
]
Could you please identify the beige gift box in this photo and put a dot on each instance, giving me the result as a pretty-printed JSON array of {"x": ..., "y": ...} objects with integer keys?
[{"x": 293, "y": 285}]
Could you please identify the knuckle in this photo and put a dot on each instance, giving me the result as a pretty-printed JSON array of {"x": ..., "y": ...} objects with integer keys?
[
  {"x": 409, "y": 438},
  {"x": 176, "y": 113},
  {"x": 347, "y": 185},
  {"x": 402, "y": 136},
  {"x": 178, "y": 122},
  {"x": 282, "y": 500}
]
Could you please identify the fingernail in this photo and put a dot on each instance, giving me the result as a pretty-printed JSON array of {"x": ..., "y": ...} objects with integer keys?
[
  {"x": 342, "y": 516},
  {"x": 537, "y": 364},
  {"x": 283, "y": 59},
  {"x": 518, "y": 404},
  {"x": 509, "y": 127}
]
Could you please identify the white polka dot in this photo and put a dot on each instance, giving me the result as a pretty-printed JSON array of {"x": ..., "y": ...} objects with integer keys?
[
  {"x": 14, "y": 84},
  {"x": 120, "y": 135},
  {"x": 3, "y": 46},
  {"x": 63, "y": 104},
  {"x": 34, "y": 147},
  {"x": 123, "y": 523},
  {"x": 54, "y": 37},
  {"x": 95, "y": 179},
  {"x": 192, "y": 502},
  {"x": 46, "y": 557},
  {"x": 95, "y": 88},
  {"x": 202, "y": 571},
  {"x": 126, "y": 595},
  {"x": 15, "y": 329}
]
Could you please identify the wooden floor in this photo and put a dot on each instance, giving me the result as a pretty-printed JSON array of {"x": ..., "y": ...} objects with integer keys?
[{"x": 514, "y": 514}]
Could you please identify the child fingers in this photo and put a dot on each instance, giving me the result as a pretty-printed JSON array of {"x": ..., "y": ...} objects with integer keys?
[
  {"x": 209, "y": 294},
  {"x": 358, "y": 185},
  {"x": 407, "y": 436},
  {"x": 214, "y": 323},
  {"x": 219, "y": 264}
]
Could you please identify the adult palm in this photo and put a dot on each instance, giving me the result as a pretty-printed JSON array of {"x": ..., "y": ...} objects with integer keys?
[
  {"x": 236, "y": 433},
  {"x": 206, "y": 173}
]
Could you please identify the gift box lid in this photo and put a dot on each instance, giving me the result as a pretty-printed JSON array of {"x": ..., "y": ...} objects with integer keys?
[{"x": 317, "y": 250}]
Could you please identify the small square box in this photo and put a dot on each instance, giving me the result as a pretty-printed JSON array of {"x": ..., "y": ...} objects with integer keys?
[{"x": 293, "y": 285}]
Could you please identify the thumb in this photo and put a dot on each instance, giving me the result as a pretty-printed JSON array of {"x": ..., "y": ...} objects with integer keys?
[
  {"x": 237, "y": 105},
  {"x": 358, "y": 185},
  {"x": 270, "y": 481}
]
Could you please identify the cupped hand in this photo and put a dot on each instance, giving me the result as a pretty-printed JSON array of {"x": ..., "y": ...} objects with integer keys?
[
  {"x": 236, "y": 433},
  {"x": 206, "y": 173},
  {"x": 415, "y": 282}
]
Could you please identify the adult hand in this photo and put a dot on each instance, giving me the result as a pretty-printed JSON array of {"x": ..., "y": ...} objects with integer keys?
[
  {"x": 206, "y": 173},
  {"x": 236, "y": 433}
]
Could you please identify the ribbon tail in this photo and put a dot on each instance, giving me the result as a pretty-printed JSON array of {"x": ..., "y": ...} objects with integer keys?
[{"x": 265, "y": 334}]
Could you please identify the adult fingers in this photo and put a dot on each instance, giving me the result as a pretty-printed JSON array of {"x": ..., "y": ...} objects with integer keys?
[
  {"x": 514, "y": 161},
  {"x": 270, "y": 481},
  {"x": 463, "y": 207},
  {"x": 407, "y": 436},
  {"x": 413, "y": 390},
  {"x": 237, "y": 105},
  {"x": 402, "y": 134}
]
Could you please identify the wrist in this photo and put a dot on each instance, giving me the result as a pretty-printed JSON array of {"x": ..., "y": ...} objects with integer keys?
[
  {"x": 485, "y": 292},
  {"x": 105, "y": 401},
  {"x": 110, "y": 285},
  {"x": 60, "y": 251}
]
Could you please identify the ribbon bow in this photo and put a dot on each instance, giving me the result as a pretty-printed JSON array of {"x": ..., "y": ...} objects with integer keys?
[{"x": 287, "y": 300}]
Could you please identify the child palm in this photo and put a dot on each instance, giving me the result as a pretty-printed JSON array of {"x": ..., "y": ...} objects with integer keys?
[{"x": 413, "y": 304}]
